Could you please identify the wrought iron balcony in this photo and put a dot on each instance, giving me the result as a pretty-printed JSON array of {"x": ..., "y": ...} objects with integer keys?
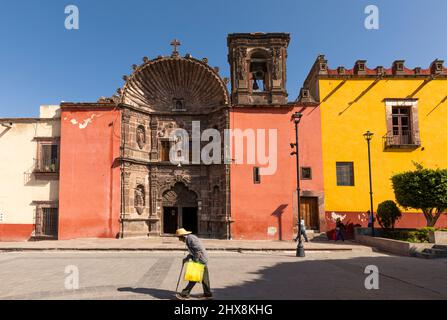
[
  {"x": 404, "y": 139},
  {"x": 46, "y": 165}
]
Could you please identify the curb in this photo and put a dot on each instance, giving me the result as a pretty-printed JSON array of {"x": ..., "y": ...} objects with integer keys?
[{"x": 169, "y": 249}]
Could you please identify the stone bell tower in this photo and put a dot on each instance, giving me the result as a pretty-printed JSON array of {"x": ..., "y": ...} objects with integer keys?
[{"x": 258, "y": 68}]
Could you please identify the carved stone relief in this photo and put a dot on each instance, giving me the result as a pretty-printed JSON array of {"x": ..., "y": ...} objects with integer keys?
[
  {"x": 179, "y": 194},
  {"x": 241, "y": 66},
  {"x": 276, "y": 63}
]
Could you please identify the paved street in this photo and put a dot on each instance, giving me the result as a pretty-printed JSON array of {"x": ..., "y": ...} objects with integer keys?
[
  {"x": 278, "y": 275},
  {"x": 169, "y": 244}
]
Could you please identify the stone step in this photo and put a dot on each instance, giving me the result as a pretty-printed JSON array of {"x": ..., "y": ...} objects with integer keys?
[
  {"x": 322, "y": 236},
  {"x": 435, "y": 252},
  {"x": 315, "y": 235},
  {"x": 439, "y": 252},
  {"x": 319, "y": 236},
  {"x": 431, "y": 254},
  {"x": 423, "y": 255}
]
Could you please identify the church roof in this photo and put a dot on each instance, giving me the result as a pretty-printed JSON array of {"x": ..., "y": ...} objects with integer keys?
[{"x": 157, "y": 84}]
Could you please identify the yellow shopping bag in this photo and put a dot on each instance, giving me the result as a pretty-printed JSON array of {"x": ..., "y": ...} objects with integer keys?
[{"x": 194, "y": 271}]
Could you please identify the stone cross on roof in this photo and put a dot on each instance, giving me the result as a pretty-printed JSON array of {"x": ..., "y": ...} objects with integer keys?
[{"x": 175, "y": 43}]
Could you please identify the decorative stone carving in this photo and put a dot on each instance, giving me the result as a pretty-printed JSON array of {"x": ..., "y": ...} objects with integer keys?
[
  {"x": 153, "y": 182},
  {"x": 141, "y": 137},
  {"x": 126, "y": 116},
  {"x": 181, "y": 176},
  {"x": 154, "y": 126},
  {"x": 165, "y": 129},
  {"x": 179, "y": 194},
  {"x": 139, "y": 199},
  {"x": 276, "y": 63},
  {"x": 241, "y": 66},
  {"x": 153, "y": 85}
]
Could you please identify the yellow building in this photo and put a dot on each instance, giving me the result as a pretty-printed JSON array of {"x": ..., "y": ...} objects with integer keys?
[{"x": 405, "y": 109}]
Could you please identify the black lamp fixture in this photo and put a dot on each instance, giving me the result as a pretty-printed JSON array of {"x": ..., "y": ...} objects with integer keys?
[
  {"x": 368, "y": 135},
  {"x": 296, "y": 117}
]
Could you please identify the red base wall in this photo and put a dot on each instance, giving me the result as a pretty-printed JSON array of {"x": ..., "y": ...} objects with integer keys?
[
  {"x": 16, "y": 232},
  {"x": 409, "y": 220}
]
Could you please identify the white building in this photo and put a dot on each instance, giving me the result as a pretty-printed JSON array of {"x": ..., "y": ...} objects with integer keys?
[{"x": 29, "y": 175}]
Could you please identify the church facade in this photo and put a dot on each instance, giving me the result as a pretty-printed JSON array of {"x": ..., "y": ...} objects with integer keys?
[{"x": 219, "y": 199}]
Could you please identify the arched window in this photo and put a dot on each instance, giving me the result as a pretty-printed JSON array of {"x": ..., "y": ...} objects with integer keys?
[{"x": 258, "y": 71}]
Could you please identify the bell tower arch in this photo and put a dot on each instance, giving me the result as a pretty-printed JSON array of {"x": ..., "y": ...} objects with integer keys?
[{"x": 258, "y": 68}]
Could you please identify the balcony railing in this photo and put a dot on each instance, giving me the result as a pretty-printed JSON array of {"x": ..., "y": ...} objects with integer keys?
[
  {"x": 405, "y": 139},
  {"x": 46, "y": 165}
]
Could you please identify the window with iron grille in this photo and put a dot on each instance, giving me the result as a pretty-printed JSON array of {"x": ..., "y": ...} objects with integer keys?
[
  {"x": 345, "y": 173},
  {"x": 47, "y": 219},
  {"x": 306, "y": 173},
  {"x": 48, "y": 158},
  {"x": 402, "y": 131},
  {"x": 402, "y": 121}
]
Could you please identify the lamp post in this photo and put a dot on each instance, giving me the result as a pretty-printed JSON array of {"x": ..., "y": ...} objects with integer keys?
[
  {"x": 368, "y": 136},
  {"x": 296, "y": 117}
]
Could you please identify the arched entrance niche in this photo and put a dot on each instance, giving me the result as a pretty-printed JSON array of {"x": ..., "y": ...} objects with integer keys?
[{"x": 180, "y": 209}]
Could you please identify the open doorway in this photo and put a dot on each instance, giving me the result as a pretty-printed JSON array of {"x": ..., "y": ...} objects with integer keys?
[
  {"x": 180, "y": 209},
  {"x": 189, "y": 219},
  {"x": 170, "y": 220},
  {"x": 310, "y": 213}
]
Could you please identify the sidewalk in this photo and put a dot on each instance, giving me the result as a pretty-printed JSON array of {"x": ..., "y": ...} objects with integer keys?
[{"x": 173, "y": 244}]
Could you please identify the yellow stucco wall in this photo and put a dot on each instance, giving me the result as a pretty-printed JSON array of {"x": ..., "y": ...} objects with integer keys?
[
  {"x": 343, "y": 125},
  {"x": 18, "y": 187}
]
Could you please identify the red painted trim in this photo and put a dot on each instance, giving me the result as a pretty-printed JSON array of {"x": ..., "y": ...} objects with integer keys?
[
  {"x": 409, "y": 220},
  {"x": 16, "y": 232}
]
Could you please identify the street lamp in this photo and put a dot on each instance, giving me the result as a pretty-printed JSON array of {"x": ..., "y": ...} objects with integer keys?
[
  {"x": 368, "y": 136},
  {"x": 296, "y": 117}
]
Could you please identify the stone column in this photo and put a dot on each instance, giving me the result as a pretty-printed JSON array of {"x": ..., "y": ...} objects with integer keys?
[{"x": 154, "y": 144}]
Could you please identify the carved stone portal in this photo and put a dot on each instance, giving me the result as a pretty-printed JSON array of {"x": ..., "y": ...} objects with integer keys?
[
  {"x": 151, "y": 102},
  {"x": 179, "y": 195}
]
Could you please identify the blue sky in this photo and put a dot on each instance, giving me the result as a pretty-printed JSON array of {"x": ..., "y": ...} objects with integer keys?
[{"x": 43, "y": 63}]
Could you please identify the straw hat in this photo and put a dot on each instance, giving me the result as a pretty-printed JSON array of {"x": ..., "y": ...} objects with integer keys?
[{"x": 182, "y": 232}]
